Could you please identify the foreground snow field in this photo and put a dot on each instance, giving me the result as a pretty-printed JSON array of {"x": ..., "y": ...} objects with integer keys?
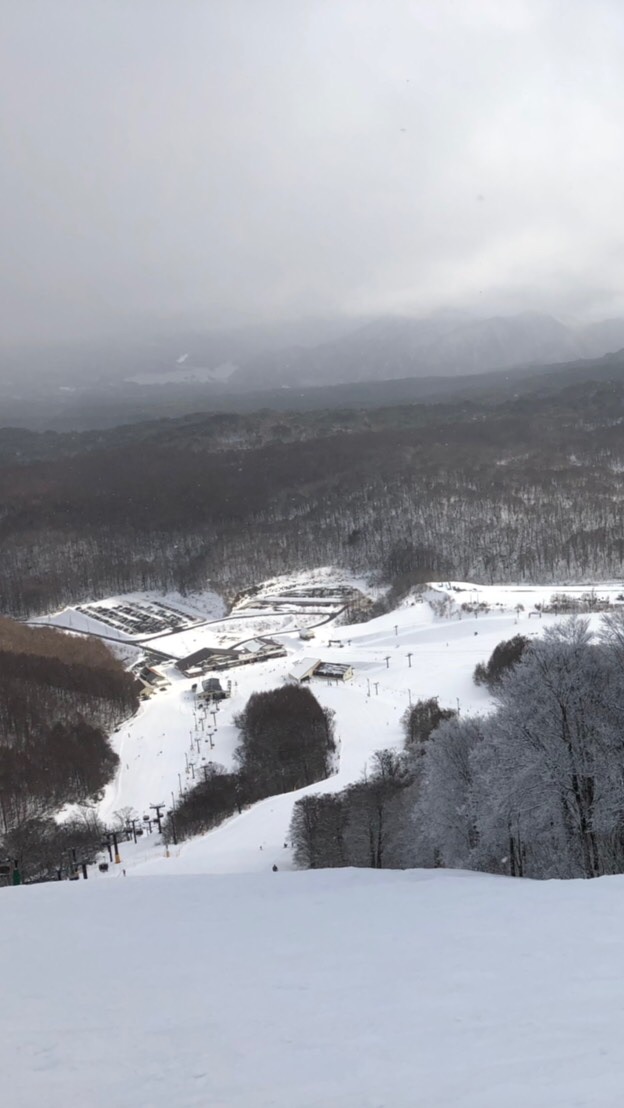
[{"x": 348, "y": 989}]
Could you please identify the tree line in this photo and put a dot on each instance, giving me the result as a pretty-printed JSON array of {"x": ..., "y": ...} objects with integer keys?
[
  {"x": 59, "y": 696},
  {"x": 483, "y": 491},
  {"x": 370, "y": 823},
  {"x": 47, "y": 850},
  {"x": 534, "y": 788}
]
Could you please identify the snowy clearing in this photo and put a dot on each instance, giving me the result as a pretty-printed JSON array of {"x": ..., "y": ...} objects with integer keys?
[{"x": 355, "y": 989}]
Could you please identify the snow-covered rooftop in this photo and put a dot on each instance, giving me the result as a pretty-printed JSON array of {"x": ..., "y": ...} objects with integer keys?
[{"x": 303, "y": 668}]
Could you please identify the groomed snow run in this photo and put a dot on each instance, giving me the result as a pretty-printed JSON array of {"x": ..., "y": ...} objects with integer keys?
[{"x": 336, "y": 989}]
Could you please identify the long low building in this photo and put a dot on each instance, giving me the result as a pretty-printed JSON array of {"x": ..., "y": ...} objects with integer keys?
[
  {"x": 307, "y": 668},
  {"x": 257, "y": 650},
  {"x": 212, "y": 657}
]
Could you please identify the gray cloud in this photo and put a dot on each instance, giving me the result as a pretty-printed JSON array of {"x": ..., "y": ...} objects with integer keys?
[{"x": 224, "y": 161}]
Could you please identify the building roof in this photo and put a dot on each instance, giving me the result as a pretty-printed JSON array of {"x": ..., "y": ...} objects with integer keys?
[
  {"x": 203, "y": 654},
  {"x": 304, "y": 668},
  {"x": 333, "y": 669},
  {"x": 258, "y": 645}
]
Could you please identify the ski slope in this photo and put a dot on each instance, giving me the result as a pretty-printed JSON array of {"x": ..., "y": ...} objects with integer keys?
[
  {"x": 231, "y": 986},
  {"x": 336, "y": 989},
  {"x": 427, "y": 647}
]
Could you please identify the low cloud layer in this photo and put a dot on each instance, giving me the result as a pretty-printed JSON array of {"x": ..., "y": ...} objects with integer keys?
[{"x": 207, "y": 162}]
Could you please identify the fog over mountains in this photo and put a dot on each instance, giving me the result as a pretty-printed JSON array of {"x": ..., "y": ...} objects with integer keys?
[
  {"x": 442, "y": 345},
  {"x": 309, "y": 363},
  {"x": 301, "y": 354}
]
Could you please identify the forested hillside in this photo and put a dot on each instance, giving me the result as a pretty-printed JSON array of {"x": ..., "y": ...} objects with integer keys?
[
  {"x": 526, "y": 489},
  {"x": 59, "y": 696}
]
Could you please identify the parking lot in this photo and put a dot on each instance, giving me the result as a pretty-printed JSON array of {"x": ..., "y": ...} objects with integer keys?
[{"x": 134, "y": 618}]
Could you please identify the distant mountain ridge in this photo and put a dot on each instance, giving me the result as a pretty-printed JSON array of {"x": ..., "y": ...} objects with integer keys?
[
  {"x": 369, "y": 364},
  {"x": 445, "y": 345}
]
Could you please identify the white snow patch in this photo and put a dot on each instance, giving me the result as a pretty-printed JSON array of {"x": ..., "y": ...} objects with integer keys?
[{"x": 355, "y": 989}]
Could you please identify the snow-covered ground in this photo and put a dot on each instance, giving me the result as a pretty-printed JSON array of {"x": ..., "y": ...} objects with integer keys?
[
  {"x": 336, "y": 989},
  {"x": 231, "y": 986},
  {"x": 329, "y": 578},
  {"x": 427, "y": 647},
  {"x": 233, "y": 630}
]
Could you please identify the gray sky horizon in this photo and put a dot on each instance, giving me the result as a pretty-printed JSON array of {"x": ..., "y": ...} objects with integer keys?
[{"x": 216, "y": 163}]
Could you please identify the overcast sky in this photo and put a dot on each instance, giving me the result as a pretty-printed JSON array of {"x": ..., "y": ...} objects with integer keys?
[{"x": 221, "y": 161}]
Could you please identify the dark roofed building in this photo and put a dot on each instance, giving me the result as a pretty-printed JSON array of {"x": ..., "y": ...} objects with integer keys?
[
  {"x": 334, "y": 671},
  {"x": 212, "y": 689},
  {"x": 209, "y": 657}
]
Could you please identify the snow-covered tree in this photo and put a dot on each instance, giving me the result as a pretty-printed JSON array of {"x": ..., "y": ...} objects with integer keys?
[
  {"x": 556, "y": 755},
  {"x": 611, "y": 633},
  {"x": 445, "y": 811},
  {"x": 536, "y": 788},
  {"x": 317, "y": 831}
]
